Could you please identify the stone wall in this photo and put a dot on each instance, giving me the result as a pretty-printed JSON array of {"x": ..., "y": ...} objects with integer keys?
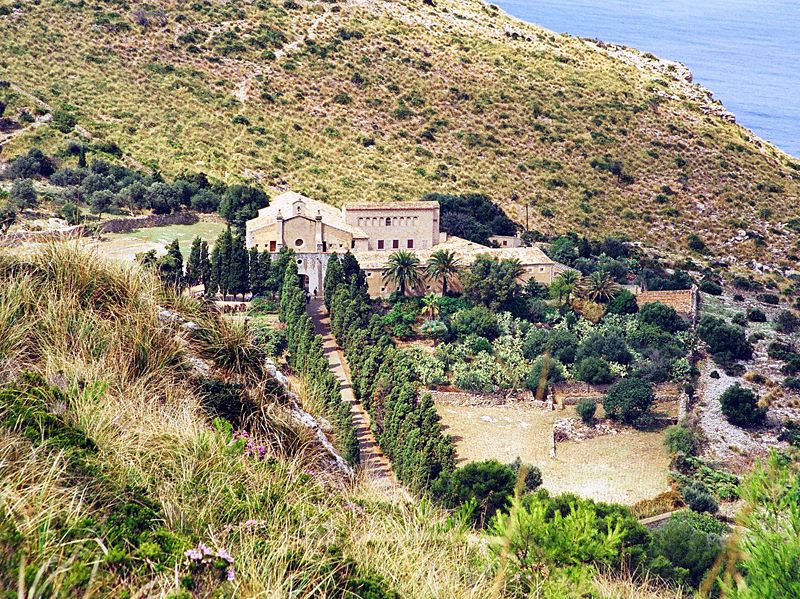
[
  {"x": 685, "y": 301},
  {"x": 571, "y": 393},
  {"x": 462, "y": 398},
  {"x": 19, "y": 237}
]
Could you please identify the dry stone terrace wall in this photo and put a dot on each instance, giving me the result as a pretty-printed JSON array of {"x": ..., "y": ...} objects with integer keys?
[
  {"x": 463, "y": 398},
  {"x": 572, "y": 392}
]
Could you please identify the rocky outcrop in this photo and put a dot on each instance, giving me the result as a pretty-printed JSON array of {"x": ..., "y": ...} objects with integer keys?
[{"x": 306, "y": 420}]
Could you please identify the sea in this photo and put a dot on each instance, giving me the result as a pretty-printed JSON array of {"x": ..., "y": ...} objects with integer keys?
[{"x": 747, "y": 52}]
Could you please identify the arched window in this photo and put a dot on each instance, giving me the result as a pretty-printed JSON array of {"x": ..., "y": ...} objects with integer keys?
[{"x": 388, "y": 222}]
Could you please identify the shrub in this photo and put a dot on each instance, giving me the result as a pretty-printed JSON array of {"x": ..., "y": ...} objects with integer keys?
[
  {"x": 682, "y": 553},
  {"x": 561, "y": 344},
  {"x": 739, "y": 319},
  {"x": 768, "y": 298},
  {"x": 434, "y": 329},
  {"x": 790, "y": 432},
  {"x": 70, "y": 213},
  {"x": 756, "y": 315},
  {"x": 710, "y": 287},
  {"x": 740, "y": 406},
  {"x": 699, "y": 498},
  {"x": 533, "y": 476},
  {"x": 23, "y": 195},
  {"x": 679, "y": 439},
  {"x": 586, "y": 410},
  {"x": 488, "y": 483},
  {"x": 609, "y": 345},
  {"x": 792, "y": 382},
  {"x": 593, "y": 370},
  {"x": 726, "y": 342},
  {"x": 476, "y": 321},
  {"x": 701, "y": 521},
  {"x": 624, "y": 302},
  {"x": 662, "y": 316},
  {"x": 544, "y": 370},
  {"x": 787, "y": 322},
  {"x": 629, "y": 400}
]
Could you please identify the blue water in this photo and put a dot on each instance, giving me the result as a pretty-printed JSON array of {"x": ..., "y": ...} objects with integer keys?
[{"x": 745, "y": 51}]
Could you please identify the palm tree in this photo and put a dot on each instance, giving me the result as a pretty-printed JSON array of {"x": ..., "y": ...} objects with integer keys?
[
  {"x": 404, "y": 270},
  {"x": 567, "y": 282},
  {"x": 517, "y": 269},
  {"x": 600, "y": 286},
  {"x": 443, "y": 265},
  {"x": 430, "y": 306}
]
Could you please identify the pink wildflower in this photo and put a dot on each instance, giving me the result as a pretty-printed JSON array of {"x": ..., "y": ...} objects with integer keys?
[
  {"x": 229, "y": 575},
  {"x": 221, "y": 553}
]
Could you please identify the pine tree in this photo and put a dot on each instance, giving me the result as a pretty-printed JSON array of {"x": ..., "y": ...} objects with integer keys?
[
  {"x": 334, "y": 277},
  {"x": 193, "y": 264}
]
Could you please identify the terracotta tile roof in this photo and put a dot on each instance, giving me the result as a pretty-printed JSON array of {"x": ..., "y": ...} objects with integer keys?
[
  {"x": 377, "y": 206},
  {"x": 466, "y": 250},
  {"x": 331, "y": 215}
]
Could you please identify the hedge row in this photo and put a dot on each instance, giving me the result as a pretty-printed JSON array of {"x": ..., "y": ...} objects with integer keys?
[
  {"x": 405, "y": 424},
  {"x": 307, "y": 359}
]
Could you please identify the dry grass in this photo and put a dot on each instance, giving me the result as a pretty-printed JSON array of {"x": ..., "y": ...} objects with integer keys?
[
  {"x": 623, "y": 468},
  {"x": 448, "y": 102},
  {"x": 288, "y": 530}
]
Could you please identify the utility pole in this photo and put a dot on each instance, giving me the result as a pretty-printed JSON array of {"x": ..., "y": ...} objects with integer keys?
[{"x": 527, "y": 228}]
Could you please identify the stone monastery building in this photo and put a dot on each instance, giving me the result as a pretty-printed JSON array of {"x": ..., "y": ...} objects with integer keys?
[{"x": 372, "y": 232}]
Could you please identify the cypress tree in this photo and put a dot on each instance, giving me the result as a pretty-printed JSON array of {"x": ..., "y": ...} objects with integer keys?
[
  {"x": 334, "y": 276},
  {"x": 170, "y": 266},
  {"x": 353, "y": 275},
  {"x": 205, "y": 265},
  {"x": 265, "y": 272},
  {"x": 254, "y": 276},
  {"x": 193, "y": 264},
  {"x": 221, "y": 262},
  {"x": 239, "y": 267}
]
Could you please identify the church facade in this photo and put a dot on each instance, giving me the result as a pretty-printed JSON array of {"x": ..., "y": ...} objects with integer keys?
[{"x": 372, "y": 232}]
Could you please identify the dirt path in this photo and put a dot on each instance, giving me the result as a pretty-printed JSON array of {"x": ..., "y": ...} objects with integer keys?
[{"x": 374, "y": 464}]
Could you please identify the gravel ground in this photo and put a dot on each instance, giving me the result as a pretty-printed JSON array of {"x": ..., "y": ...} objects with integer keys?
[{"x": 724, "y": 441}]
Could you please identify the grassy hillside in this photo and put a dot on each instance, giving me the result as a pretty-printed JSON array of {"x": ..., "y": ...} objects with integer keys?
[
  {"x": 389, "y": 100},
  {"x": 121, "y": 474},
  {"x": 111, "y": 465}
]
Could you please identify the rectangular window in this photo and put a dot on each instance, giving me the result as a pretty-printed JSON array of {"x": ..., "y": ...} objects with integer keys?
[
  {"x": 272, "y": 246},
  {"x": 410, "y": 244},
  {"x": 395, "y": 244},
  {"x": 380, "y": 244}
]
